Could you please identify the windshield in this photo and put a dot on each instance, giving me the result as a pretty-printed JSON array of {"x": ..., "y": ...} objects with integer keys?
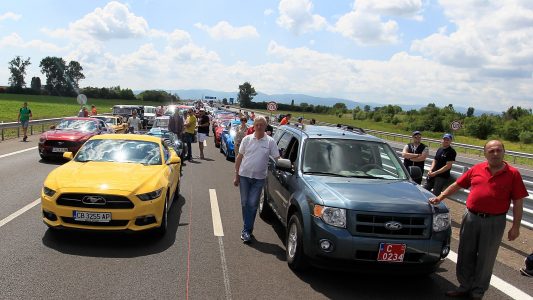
[
  {"x": 163, "y": 123},
  {"x": 80, "y": 125},
  {"x": 108, "y": 120},
  {"x": 351, "y": 158},
  {"x": 125, "y": 151},
  {"x": 149, "y": 109}
]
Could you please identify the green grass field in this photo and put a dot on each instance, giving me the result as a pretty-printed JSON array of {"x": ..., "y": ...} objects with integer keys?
[{"x": 45, "y": 107}]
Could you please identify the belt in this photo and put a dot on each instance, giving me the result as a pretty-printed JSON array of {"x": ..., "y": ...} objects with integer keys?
[{"x": 485, "y": 215}]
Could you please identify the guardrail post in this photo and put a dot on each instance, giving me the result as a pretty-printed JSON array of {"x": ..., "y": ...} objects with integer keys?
[
  {"x": 31, "y": 130},
  {"x": 18, "y": 132},
  {"x": 2, "y": 134}
]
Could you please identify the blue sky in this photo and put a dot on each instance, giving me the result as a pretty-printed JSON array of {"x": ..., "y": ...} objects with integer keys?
[{"x": 463, "y": 52}]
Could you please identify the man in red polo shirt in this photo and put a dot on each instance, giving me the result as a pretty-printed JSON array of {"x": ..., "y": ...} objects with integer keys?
[{"x": 493, "y": 185}]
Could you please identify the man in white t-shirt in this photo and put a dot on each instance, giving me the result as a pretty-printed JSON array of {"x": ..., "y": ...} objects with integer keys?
[
  {"x": 134, "y": 123},
  {"x": 251, "y": 166}
]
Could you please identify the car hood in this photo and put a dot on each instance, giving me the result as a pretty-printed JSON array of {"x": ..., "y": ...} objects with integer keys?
[
  {"x": 73, "y": 135},
  {"x": 104, "y": 175},
  {"x": 371, "y": 194}
]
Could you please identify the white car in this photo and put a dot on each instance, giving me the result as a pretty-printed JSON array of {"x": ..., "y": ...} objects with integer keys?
[{"x": 149, "y": 115}]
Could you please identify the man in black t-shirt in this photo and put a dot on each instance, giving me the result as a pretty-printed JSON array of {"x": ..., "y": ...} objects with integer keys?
[
  {"x": 203, "y": 130},
  {"x": 415, "y": 154},
  {"x": 439, "y": 173}
]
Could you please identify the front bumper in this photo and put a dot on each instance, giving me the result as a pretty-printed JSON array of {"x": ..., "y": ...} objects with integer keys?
[
  {"x": 61, "y": 216},
  {"x": 351, "y": 252},
  {"x": 47, "y": 151}
]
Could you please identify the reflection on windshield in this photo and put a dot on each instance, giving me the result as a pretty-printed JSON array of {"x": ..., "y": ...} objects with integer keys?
[
  {"x": 81, "y": 125},
  {"x": 351, "y": 158},
  {"x": 163, "y": 123},
  {"x": 127, "y": 151}
]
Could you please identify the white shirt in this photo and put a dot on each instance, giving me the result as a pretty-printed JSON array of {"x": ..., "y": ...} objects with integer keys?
[
  {"x": 134, "y": 122},
  {"x": 256, "y": 152}
]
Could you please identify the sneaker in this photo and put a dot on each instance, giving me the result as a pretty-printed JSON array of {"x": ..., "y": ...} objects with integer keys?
[
  {"x": 245, "y": 236},
  {"x": 24, "y": 138},
  {"x": 526, "y": 272}
]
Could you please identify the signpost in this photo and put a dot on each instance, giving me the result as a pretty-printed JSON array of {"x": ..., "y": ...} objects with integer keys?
[
  {"x": 455, "y": 125},
  {"x": 272, "y": 106}
]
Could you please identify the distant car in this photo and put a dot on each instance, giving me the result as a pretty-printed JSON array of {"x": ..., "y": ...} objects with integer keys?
[
  {"x": 161, "y": 122},
  {"x": 149, "y": 115},
  {"x": 115, "y": 122},
  {"x": 115, "y": 182},
  {"x": 218, "y": 132},
  {"x": 227, "y": 139},
  {"x": 170, "y": 139},
  {"x": 68, "y": 136}
]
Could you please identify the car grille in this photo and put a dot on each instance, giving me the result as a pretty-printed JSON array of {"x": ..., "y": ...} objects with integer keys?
[
  {"x": 111, "y": 201},
  {"x": 70, "y": 220},
  {"x": 373, "y": 225},
  {"x": 61, "y": 144}
]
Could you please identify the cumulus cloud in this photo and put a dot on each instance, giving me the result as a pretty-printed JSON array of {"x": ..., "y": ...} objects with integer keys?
[
  {"x": 297, "y": 16},
  {"x": 494, "y": 38},
  {"x": 225, "y": 31},
  {"x": 402, "y": 8},
  {"x": 16, "y": 41},
  {"x": 113, "y": 21},
  {"x": 10, "y": 16},
  {"x": 367, "y": 29}
]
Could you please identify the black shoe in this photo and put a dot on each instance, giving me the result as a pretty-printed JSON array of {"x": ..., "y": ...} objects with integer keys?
[
  {"x": 457, "y": 293},
  {"x": 24, "y": 138},
  {"x": 525, "y": 272}
]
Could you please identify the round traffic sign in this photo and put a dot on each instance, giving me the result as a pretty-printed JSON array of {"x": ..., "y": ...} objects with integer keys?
[
  {"x": 272, "y": 106},
  {"x": 82, "y": 99},
  {"x": 455, "y": 125}
]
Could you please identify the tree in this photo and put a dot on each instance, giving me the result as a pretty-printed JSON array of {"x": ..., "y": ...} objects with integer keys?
[
  {"x": 340, "y": 106},
  {"x": 480, "y": 127},
  {"x": 17, "y": 67},
  {"x": 36, "y": 83},
  {"x": 292, "y": 102},
  {"x": 73, "y": 74},
  {"x": 246, "y": 94},
  {"x": 225, "y": 101},
  {"x": 366, "y": 108},
  {"x": 470, "y": 112},
  {"x": 54, "y": 70}
]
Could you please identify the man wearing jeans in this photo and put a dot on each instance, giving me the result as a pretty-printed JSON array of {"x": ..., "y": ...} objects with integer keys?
[{"x": 251, "y": 167}]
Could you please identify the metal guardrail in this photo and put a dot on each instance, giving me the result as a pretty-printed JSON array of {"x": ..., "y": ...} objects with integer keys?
[{"x": 15, "y": 126}]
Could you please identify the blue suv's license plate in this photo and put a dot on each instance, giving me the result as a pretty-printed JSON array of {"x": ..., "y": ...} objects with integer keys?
[{"x": 391, "y": 252}]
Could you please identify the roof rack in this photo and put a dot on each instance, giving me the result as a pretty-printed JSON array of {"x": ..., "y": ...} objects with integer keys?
[{"x": 351, "y": 128}]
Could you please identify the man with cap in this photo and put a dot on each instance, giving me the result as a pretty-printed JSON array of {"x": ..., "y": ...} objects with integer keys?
[
  {"x": 415, "y": 154},
  {"x": 203, "y": 130},
  {"x": 439, "y": 173}
]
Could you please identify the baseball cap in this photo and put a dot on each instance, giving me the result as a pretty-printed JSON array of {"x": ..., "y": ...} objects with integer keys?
[
  {"x": 415, "y": 132},
  {"x": 202, "y": 109},
  {"x": 447, "y": 136}
]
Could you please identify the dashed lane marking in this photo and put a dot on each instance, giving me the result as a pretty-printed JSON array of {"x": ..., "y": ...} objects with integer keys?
[
  {"x": 215, "y": 214},
  {"x": 17, "y": 152},
  {"x": 19, "y": 212}
]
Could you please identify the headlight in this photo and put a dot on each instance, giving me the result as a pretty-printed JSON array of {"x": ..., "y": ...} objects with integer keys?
[
  {"x": 331, "y": 215},
  {"x": 48, "y": 192},
  {"x": 150, "y": 196},
  {"x": 441, "y": 222},
  {"x": 42, "y": 139}
]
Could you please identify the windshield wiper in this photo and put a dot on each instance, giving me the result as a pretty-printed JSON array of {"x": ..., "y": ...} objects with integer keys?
[
  {"x": 324, "y": 173},
  {"x": 86, "y": 160}
]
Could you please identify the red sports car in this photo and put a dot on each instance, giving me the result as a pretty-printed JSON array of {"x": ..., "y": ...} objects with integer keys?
[
  {"x": 68, "y": 136},
  {"x": 218, "y": 132}
]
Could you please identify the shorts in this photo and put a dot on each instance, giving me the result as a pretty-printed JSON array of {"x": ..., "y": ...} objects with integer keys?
[
  {"x": 24, "y": 124},
  {"x": 202, "y": 137}
]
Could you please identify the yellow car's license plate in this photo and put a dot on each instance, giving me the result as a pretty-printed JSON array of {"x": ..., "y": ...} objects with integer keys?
[{"x": 87, "y": 216}]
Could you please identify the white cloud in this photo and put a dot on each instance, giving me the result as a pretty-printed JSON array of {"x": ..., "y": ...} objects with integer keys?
[
  {"x": 114, "y": 21},
  {"x": 223, "y": 30},
  {"x": 367, "y": 28},
  {"x": 268, "y": 12},
  {"x": 10, "y": 16},
  {"x": 16, "y": 41},
  {"x": 402, "y": 8},
  {"x": 297, "y": 16}
]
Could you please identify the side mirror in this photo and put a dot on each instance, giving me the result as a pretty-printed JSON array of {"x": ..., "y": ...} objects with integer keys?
[
  {"x": 68, "y": 155},
  {"x": 174, "y": 159},
  {"x": 284, "y": 165},
  {"x": 415, "y": 172}
]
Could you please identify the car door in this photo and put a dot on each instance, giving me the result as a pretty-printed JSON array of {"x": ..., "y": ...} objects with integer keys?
[
  {"x": 274, "y": 175},
  {"x": 286, "y": 179},
  {"x": 173, "y": 171}
]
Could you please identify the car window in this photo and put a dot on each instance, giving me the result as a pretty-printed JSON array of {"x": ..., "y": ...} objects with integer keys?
[
  {"x": 292, "y": 151},
  {"x": 166, "y": 152},
  {"x": 351, "y": 158},
  {"x": 277, "y": 135},
  {"x": 283, "y": 144}
]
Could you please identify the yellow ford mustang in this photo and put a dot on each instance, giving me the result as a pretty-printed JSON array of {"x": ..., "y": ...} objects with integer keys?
[{"x": 115, "y": 182}]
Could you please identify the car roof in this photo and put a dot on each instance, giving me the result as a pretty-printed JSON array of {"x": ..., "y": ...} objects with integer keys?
[
  {"x": 79, "y": 118},
  {"x": 317, "y": 131},
  {"x": 131, "y": 137}
]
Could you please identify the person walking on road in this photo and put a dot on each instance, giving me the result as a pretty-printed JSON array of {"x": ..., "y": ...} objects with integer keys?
[
  {"x": 415, "y": 154},
  {"x": 190, "y": 128},
  {"x": 439, "y": 173},
  {"x": 134, "y": 123},
  {"x": 203, "y": 131},
  {"x": 493, "y": 185},
  {"x": 285, "y": 120},
  {"x": 251, "y": 167},
  {"x": 24, "y": 119},
  {"x": 240, "y": 134}
]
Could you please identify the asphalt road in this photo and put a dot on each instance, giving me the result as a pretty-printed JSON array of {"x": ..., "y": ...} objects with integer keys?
[{"x": 190, "y": 261}]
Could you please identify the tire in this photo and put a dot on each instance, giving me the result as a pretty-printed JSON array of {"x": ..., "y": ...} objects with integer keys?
[
  {"x": 162, "y": 229},
  {"x": 294, "y": 249},
  {"x": 265, "y": 211},
  {"x": 220, "y": 147},
  {"x": 227, "y": 155}
]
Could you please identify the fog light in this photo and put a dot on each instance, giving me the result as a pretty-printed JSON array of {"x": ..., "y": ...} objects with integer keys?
[
  {"x": 444, "y": 252},
  {"x": 145, "y": 220},
  {"x": 49, "y": 215},
  {"x": 326, "y": 245}
]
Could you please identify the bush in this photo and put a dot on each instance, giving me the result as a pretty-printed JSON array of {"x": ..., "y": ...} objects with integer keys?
[{"x": 526, "y": 137}]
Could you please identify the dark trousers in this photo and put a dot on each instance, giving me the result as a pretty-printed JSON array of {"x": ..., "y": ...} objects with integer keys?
[
  {"x": 479, "y": 241},
  {"x": 188, "y": 138},
  {"x": 437, "y": 184}
]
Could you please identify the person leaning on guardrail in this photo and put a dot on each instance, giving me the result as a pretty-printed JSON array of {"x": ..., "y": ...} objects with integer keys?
[
  {"x": 24, "y": 119},
  {"x": 493, "y": 185},
  {"x": 415, "y": 154},
  {"x": 439, "y": 173}
]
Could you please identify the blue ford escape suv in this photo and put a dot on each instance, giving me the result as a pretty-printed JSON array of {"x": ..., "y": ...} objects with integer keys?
[{"x": 348, "y": 202}]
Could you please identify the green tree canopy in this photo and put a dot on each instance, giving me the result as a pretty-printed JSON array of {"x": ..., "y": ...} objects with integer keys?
[
  {"x": 17, "y": 67},
  {"x": 246, "y": 94}
]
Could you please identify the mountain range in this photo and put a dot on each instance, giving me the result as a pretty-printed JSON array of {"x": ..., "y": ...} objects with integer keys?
[{"x": 298, "y": 98}]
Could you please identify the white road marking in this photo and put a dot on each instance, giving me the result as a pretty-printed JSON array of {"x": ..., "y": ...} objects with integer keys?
[
  {"x": 224, "y": 268},
  {"x": 498, "y": 283},
  {"x": 215, "y": 213},
  {"x": 19, "y": 212},
  {"x": 17, "y": 152}
]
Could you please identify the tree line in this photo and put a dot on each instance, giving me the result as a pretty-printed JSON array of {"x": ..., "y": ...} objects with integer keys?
[{"x": 515, "y": 124}]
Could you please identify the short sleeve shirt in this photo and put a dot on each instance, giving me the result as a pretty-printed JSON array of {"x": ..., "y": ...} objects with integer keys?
[
  {"x": 443, "y": 156},
  {"x": 256, "y": 153},
  {"x": 25, "y": 114},
  {"x": 489, "y": 193},
  {"x": 191, "y": 119},
  {"x": 203, "y": 120}
]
